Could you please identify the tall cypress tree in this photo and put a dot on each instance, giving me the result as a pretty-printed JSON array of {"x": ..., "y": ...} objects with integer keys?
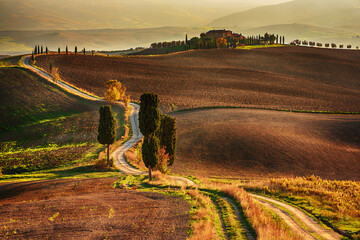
[
  {"x": 67, "y": 50},
  {"x": 84, "y": 51},
  {"x": 75, "y": 50},
  {"x": 32, "y": 57},
  {"x": 283, "y": 39},
  {"x": 107, "y": 128},
  {"x": 46, "y": 50},
  {"x": 277, "y": 38},
  {"x": 149, "y": 123},
  {"x": 35, "y": 50},
  {"x": 167, "y": 136},
  {"x": 42, "y": 50},
  {"x": 59, "y": 50}
]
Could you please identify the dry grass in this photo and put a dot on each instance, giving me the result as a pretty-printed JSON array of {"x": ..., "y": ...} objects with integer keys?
[
  {"x": 343, "y": 197},
  {"x": 263, "y": 222},
  {"x": 203, "y": 227},
  {"x": 334, "y": 202},
  {"x": 134, "y": 157},
  {"x": 282, "y": 78}
]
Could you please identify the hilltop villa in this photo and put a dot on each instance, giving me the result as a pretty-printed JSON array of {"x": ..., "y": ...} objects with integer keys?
[{"x": 216, "y": 34}]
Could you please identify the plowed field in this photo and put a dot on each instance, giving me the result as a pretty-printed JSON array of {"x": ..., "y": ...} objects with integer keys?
[
  {"x": 296, "y": 78},
  {"x": 88, "y": 209}
]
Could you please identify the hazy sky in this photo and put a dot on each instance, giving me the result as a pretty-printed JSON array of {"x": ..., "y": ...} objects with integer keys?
[{"x": 95, "y": 14}]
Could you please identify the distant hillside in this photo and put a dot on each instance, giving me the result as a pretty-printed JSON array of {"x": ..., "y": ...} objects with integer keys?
[
  {"x": 307, "y": 32},
  {"x": 115, "y": 14},
  {"x": 343, "y": 15},
  {"x": 17, "y": 42}
]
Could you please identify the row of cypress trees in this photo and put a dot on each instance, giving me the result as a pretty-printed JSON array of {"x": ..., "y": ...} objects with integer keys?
[
  {"x": 159, "y": 130},
  {"x": 40, "y": 50}
]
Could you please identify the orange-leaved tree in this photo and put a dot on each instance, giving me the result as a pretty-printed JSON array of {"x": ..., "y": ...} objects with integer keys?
[{"x": 115, "y": 91}]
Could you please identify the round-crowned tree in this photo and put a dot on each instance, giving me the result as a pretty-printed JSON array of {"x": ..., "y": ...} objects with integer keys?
[{"x": 107, "y": 128}]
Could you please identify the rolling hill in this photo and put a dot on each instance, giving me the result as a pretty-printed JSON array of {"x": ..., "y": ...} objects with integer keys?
[
  {"x": 297, "y": 78},
  {"x": 19, "y": 42},
  {"x": 343, "y": 15},
  {"x": 306, "y": 32},
  {"x": 320, "y": 20},
  {"x": 255, "y": 143},
  {"x": 125, "y": 14},
  {"x": 44, "y": 127}
]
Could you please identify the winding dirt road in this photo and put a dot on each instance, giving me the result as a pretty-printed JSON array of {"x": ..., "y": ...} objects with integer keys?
[
  {"x": 118, "y": 154},
  {"x": 311, "y": 226}
]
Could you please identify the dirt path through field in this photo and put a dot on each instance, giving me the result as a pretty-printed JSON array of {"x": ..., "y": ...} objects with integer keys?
[
  {"x": 128, "y": 169},
  {"x": 120, "y": 161},
  {"x": 305, "y": 219}
]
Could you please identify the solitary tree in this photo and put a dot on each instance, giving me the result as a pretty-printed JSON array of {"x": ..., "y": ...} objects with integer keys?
[
  {"x": 107, "y": 128},
  {"x": 59, "y": 50},
  {"x": 84, "y": 51},
  {"x": 149, "y": 123},
  {"x": 67, "y": 51},
  {"x": 75, "y": 50},
  {"x": 47, "y": 50},
  {"x": 114, "y": 91},
  {"x": 167, "y": 136}
]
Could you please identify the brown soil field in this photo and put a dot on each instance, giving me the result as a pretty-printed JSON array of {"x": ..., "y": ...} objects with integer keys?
[
  {"x": 258, "y": 143},
  {"x": 88, "y": 209},
  {"x": 296, "y": 78}
]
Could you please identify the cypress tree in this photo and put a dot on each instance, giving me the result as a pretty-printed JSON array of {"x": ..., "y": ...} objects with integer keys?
[
  {"x": 283, "y": 39},
  {"x": 38, "y": 49},
  {"x": 150, "y": 153},
  {"x": 35, "y": 50},
  {"x": 47, "y": 50},
  {"x": 149, "y": 123},
  {"x": 107, "y": 128},
  {"x": 75, "y": 50},
  {"x": 59, "y": 50},
  {"x": 32, "y": 56},
  {"x": 277, "y": 38},
  {"x": 167, "y": 136},
  {"x": 42, "y": 50},
  {"x": 84, "y": 51},
  {"x": 67, "y": 51}
]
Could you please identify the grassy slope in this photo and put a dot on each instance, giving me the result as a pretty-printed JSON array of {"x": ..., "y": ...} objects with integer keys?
[
  {"x": 43, "y": 126},
  {"x": 247, "y": 143},
  {"x": 283, "y": 78}
]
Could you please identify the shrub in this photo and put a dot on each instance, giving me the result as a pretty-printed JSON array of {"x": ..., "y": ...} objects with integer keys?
[
  {"x": 163, "y": 163},
  {"x": 101, "y": 164}
]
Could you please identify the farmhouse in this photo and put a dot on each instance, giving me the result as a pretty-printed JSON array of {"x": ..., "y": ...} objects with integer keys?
[{"x": 216, "y": 34}]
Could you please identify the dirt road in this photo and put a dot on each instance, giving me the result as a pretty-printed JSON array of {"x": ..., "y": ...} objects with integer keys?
[{"x": 311, "y": 229}]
